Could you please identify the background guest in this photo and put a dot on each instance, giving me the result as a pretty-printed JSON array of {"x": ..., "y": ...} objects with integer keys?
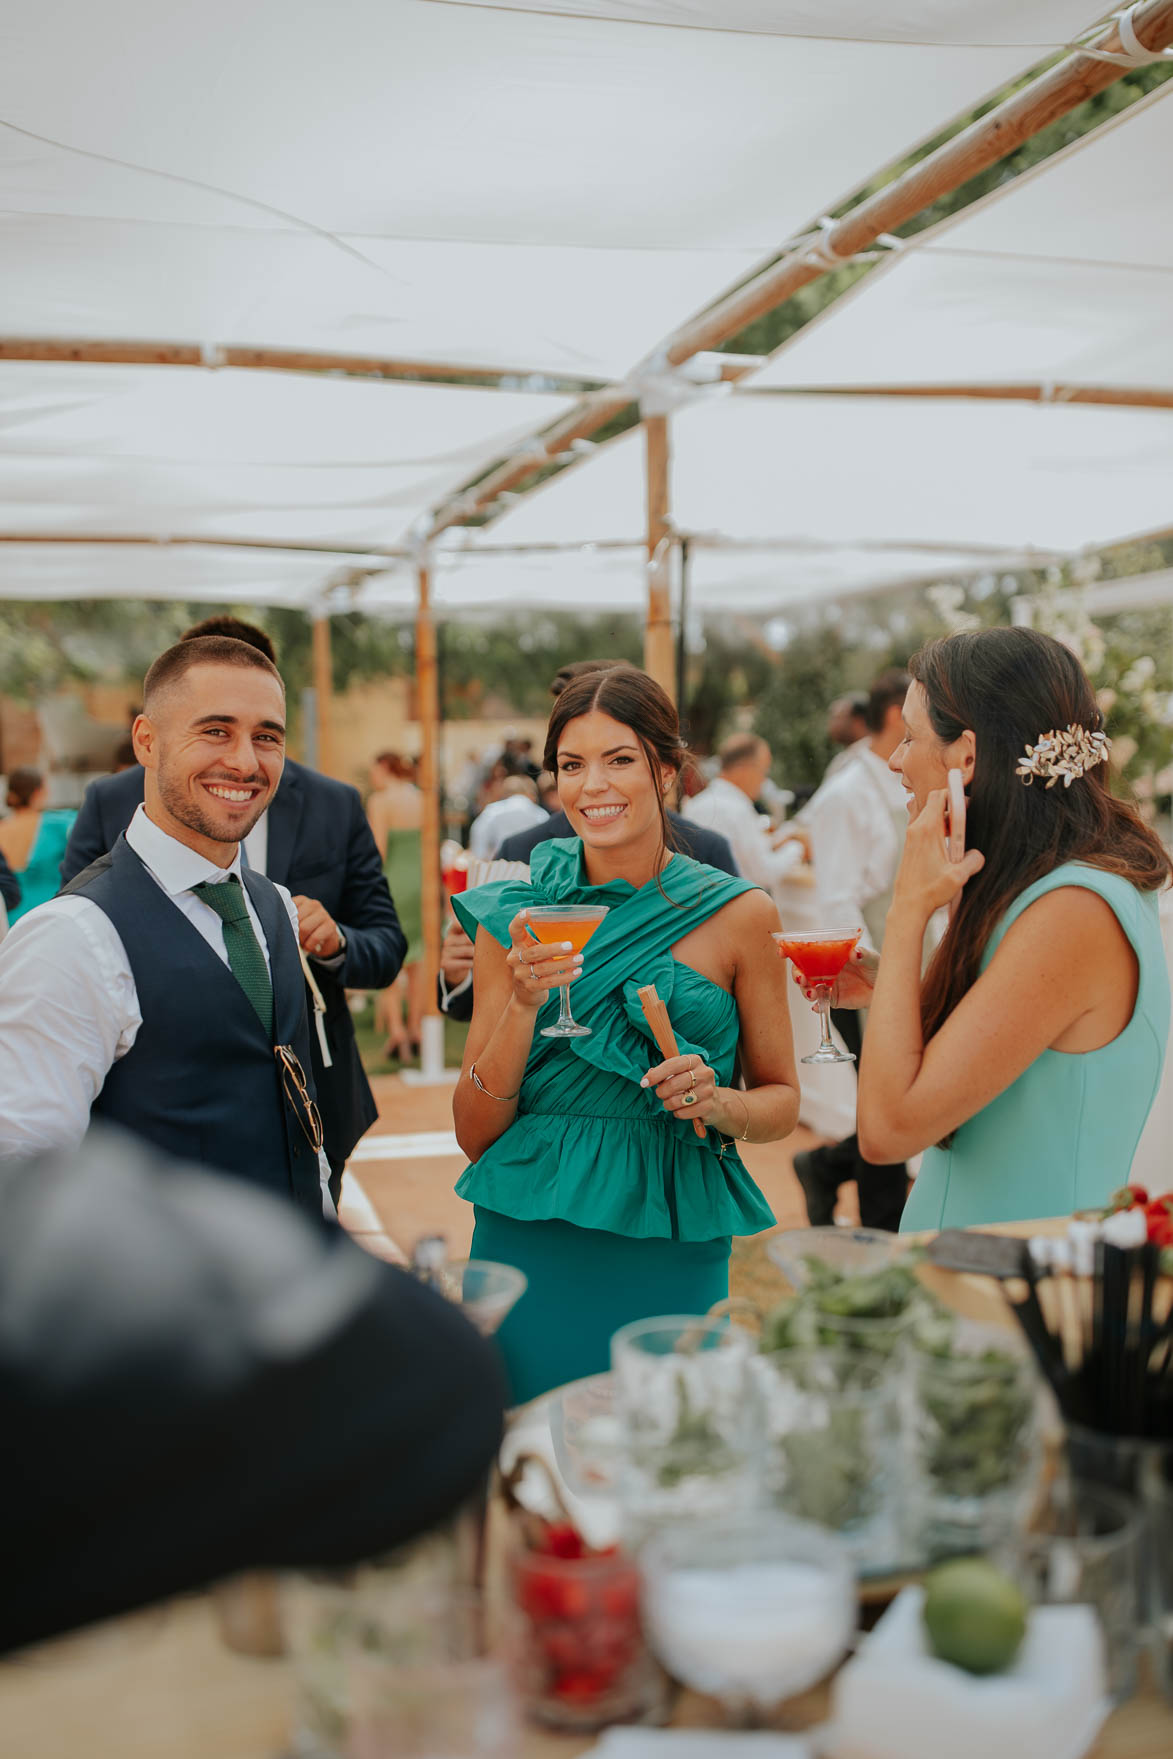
[
  {"x": 395, "y": 810},
  {"x": 857, "y": 823},
  {"x": 32, "y": 840}
]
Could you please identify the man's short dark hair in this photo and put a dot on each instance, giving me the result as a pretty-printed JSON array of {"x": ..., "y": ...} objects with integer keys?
[
  {"x": 236, "y": 630},
  {"x": 739, "y": 748},
  {"x": 579, "y": 668},
  {"x": 890, "y": 687},
  {"x": 201, "y": 650}
]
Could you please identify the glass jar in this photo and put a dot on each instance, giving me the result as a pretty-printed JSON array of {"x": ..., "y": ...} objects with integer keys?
[{"x": 576, "y": 1639}]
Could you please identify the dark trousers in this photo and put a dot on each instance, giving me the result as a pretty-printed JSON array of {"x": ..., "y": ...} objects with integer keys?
[{"x": 882, "y": 1190}]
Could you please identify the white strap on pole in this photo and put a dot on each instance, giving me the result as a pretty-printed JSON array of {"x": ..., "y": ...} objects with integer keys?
[{"x": 1132, "y": 52}]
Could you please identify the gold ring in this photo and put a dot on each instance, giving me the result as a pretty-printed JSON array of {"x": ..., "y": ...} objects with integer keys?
[
  {"x": 692, "y": 1077},
  {"x": 689, "y": 1099}
]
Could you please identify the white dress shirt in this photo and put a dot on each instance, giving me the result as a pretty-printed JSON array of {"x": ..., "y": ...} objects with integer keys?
[
  {"x": 501, "y": 819},
  {"x": 854, "y": 822},
  {"x": 68, "y": 1003},
  {"x": 728, "y": 809}
]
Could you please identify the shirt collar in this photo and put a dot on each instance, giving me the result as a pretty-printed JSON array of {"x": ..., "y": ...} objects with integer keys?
[
  {"x": 735, "y": 795},
  {"x": 176, "y": 867}
]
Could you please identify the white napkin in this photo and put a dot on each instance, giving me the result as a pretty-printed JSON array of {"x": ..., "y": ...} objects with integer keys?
[
  {"x": 699, "y": 1743},
  {"x": 896, "y": 1700}
]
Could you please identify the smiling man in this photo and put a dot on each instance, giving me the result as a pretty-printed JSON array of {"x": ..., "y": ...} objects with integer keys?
[{"x": 163, "y": 989}]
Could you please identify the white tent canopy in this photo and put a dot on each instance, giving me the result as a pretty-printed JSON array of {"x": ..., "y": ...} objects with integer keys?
[
  {"x": 534, "y": 188},
  {"x": 163, "y": 451},
  {"x": 1064, "y": 278},
  {"x": 860, "y": 471}
]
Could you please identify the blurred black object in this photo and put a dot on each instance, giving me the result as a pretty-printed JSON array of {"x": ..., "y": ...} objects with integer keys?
[{"x": 196, "y": 1380}]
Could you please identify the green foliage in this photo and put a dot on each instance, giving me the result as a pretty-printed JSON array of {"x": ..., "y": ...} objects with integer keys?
[{"x": 507, "y": 664}]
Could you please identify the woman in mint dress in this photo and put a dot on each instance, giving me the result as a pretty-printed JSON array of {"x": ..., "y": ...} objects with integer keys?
[
  {"x": 1027, "y": 1062},
  {"x": 33, "y": 839},
  {"x": 586, "y": 1170}
]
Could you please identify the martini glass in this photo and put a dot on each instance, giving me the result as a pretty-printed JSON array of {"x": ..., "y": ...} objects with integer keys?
[
  {"x": 552, "y": 924},
  {"x": 820, "y": 955}
]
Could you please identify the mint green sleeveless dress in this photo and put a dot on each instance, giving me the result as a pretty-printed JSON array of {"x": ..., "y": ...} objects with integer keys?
[
  {"x": 614, "y": 1210},
  {"x": 1063, "y": 1135}
]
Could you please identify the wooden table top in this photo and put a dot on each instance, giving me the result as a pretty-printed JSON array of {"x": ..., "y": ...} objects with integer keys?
[{"x": 161, "y": 1685}]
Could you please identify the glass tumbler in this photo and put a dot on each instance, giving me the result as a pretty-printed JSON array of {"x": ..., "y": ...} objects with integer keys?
[
  {"x": 832, "y": 1432},
  {"x": 686, "y": 1431},
  {"x": 1140, "y": 1468},
  {"x": 976, "y": 1440},
  {"x": 1086, "y": 1551},
  {"x": 576, "y": 1641}
]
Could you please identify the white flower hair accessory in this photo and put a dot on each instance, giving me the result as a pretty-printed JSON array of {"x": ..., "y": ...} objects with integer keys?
[{"x": 1063, "y": 756}]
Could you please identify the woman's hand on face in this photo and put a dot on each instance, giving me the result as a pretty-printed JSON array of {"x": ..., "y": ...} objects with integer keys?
[
  {"x": 535, "y": 968},
  {"x": 926, "y": 878},
  {"x": 853, "y": 987},
  {"x": 685, "y": 1086}
]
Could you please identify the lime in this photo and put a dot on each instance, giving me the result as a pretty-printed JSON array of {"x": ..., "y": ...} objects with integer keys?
[{"x": 974, "y": 1615}]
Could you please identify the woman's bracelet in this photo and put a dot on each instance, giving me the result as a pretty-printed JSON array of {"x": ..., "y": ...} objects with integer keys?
[
  {"x": 744, "y": 1137},
  {"x": 501, "y": 1098}
]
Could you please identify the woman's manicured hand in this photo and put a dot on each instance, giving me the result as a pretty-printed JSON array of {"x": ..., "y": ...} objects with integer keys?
[
  {"x": 537, "y": 969},
  {"x": 853, "y": 987},
  {"x": 685, "y": 1086},
  {"x": 926, "y": 878}
]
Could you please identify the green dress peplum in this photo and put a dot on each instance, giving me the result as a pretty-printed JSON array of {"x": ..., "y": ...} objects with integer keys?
[
  {"x": 614, "y": 1209},
  {"x": 1063, "y": 1135}
]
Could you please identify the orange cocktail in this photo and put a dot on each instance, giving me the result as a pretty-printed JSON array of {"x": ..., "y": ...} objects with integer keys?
[
  {"x": 820, "y": 955},
  {"x": 555, "y": 925}
]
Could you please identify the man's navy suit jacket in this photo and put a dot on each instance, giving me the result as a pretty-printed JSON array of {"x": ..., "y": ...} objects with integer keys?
[{"x": 320, "y": 845}]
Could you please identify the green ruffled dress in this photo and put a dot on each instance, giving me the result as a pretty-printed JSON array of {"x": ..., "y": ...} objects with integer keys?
[{"x": 614, "y": 1210}]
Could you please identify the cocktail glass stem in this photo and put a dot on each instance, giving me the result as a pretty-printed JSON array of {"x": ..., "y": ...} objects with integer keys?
[
  {"x": 826, "y": 1042},
  {"x": 565, "y": 1018}
]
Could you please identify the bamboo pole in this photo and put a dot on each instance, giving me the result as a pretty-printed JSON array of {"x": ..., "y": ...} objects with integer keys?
[
  {"x": 130, "y": 351},
  {"x": 1071, "y": 82},
  {"x": 323, "y": 691},
  {"x": 428, "y": 710},
  {"x": 578, "y": 424},
  {"x": 658, "y": 655},
  {"x": 1104, "y": 396}
]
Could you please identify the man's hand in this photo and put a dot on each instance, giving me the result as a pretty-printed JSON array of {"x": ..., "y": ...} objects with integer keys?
[
  {"x": 316, "y": 929},
  {"x": 794, "y": 834},
  {"x": 456, "y": 956}
]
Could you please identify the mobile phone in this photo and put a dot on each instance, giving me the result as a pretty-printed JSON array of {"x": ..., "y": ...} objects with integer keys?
[{"x": 956, "y": 839}]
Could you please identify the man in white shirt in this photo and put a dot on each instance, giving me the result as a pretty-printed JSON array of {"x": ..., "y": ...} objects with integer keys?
[
  {"x": 727, "y": 806},
  {"x": 516, "y": 810},
  {"x": 164, "y": 989},
  {"x": 847, "y": 727},
  {"x": 857, "y": 822}
]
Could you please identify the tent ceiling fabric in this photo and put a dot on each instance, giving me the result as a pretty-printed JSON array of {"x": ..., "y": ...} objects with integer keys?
[
  {"x": 1066, "y": 277},
  {"x": 231, "y": 577},
  {"x": 864, "y": 470},
  {"x": 753, "y": 582},
  {"x": 1043, "y": 24},
  {"x": 448, "y": 122},
  {"x": 539, "y": 189},
  {"x": 164, "y": 450}
]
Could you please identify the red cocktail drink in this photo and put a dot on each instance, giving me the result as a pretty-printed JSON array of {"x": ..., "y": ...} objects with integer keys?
[
  {"x": 821, "y": 958},
  {"x": 820, "y": 955}
]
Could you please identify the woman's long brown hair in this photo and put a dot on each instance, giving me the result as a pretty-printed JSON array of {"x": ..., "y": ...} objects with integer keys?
[
  {"x": 637, "y": 701},
  {"x": 1010, "y": 686}
]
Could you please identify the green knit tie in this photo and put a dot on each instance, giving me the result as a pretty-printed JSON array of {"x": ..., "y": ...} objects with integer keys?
[{"x": 245, "y": 958}]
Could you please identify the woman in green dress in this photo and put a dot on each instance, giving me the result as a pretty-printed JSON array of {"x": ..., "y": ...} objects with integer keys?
[
  {"x": 395, "y": 814},
  {"x": 587, "y": 1173},
  {"x": 1027, "y": 1062}
]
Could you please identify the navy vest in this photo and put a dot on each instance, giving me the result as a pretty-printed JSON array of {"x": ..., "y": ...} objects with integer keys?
[{"x": 201, "y": 1081}]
